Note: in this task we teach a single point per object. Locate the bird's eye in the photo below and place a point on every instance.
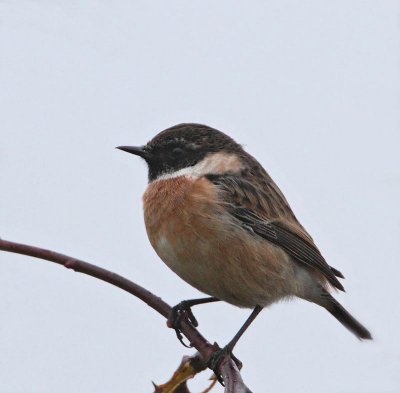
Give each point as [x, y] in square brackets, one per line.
[177, 151]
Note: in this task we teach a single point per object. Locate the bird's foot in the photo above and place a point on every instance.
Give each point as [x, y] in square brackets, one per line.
[216, 359]
[180, 312]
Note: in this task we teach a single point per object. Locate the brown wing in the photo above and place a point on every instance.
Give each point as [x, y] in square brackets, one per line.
[265, 212]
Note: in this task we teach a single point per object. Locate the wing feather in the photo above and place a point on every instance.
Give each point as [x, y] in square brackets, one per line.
[267, 214]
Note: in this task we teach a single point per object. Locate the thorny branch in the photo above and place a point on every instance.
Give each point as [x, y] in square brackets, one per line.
[227, 368]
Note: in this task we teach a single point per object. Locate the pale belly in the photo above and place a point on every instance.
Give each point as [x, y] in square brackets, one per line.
[209, 250]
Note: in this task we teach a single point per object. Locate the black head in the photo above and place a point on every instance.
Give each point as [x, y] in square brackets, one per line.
[182, 146]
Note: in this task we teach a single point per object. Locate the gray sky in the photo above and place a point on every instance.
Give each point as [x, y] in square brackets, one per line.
[311, 88]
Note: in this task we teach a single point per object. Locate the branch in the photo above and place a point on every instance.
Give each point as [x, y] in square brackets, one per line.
[227, 368]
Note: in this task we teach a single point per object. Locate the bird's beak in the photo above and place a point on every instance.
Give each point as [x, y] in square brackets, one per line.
[137, 150]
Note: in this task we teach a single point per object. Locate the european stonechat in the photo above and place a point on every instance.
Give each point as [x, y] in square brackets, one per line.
[218, 220]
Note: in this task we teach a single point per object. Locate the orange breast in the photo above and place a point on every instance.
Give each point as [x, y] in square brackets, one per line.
[183, 222]
[175, 205]
[201, 242]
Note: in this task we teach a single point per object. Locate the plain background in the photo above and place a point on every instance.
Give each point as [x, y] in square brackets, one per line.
[312, 90]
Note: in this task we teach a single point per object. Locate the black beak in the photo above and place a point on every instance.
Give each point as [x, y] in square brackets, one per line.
[137, 150]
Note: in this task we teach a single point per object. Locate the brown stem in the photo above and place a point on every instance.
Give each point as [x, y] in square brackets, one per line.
[228, 369]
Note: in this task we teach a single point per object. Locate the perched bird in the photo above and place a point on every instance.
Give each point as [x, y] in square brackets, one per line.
[218, 220]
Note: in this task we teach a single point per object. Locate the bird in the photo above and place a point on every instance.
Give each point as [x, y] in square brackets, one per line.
[217, 219]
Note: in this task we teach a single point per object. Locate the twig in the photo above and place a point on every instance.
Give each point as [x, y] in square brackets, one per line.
[227, 368]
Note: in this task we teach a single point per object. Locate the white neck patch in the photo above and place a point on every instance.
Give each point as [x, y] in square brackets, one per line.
[216, 163]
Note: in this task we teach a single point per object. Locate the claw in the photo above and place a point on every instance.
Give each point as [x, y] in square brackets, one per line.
[180, 338]
[217, 357]
[179, 312]
[219, 379]
[192, 319]
[238, 363]
[215, 360]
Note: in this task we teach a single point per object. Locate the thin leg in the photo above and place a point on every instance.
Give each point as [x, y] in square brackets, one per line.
[218, 356]
[184, 306]
[183, 310]
[239, 334]
[195, 302]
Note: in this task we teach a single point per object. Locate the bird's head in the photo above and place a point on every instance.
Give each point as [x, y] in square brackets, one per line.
[188, 149]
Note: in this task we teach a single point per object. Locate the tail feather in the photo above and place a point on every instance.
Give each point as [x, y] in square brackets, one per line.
[337, 273]
[347, 320]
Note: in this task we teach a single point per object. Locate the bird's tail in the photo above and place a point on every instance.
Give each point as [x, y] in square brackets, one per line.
[346, 319]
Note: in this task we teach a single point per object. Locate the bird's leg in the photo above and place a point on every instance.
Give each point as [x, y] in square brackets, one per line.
[217, 357]
[183, 311]
[178, 311]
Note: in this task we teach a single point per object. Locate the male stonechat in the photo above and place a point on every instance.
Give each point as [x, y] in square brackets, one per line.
[218, 220]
